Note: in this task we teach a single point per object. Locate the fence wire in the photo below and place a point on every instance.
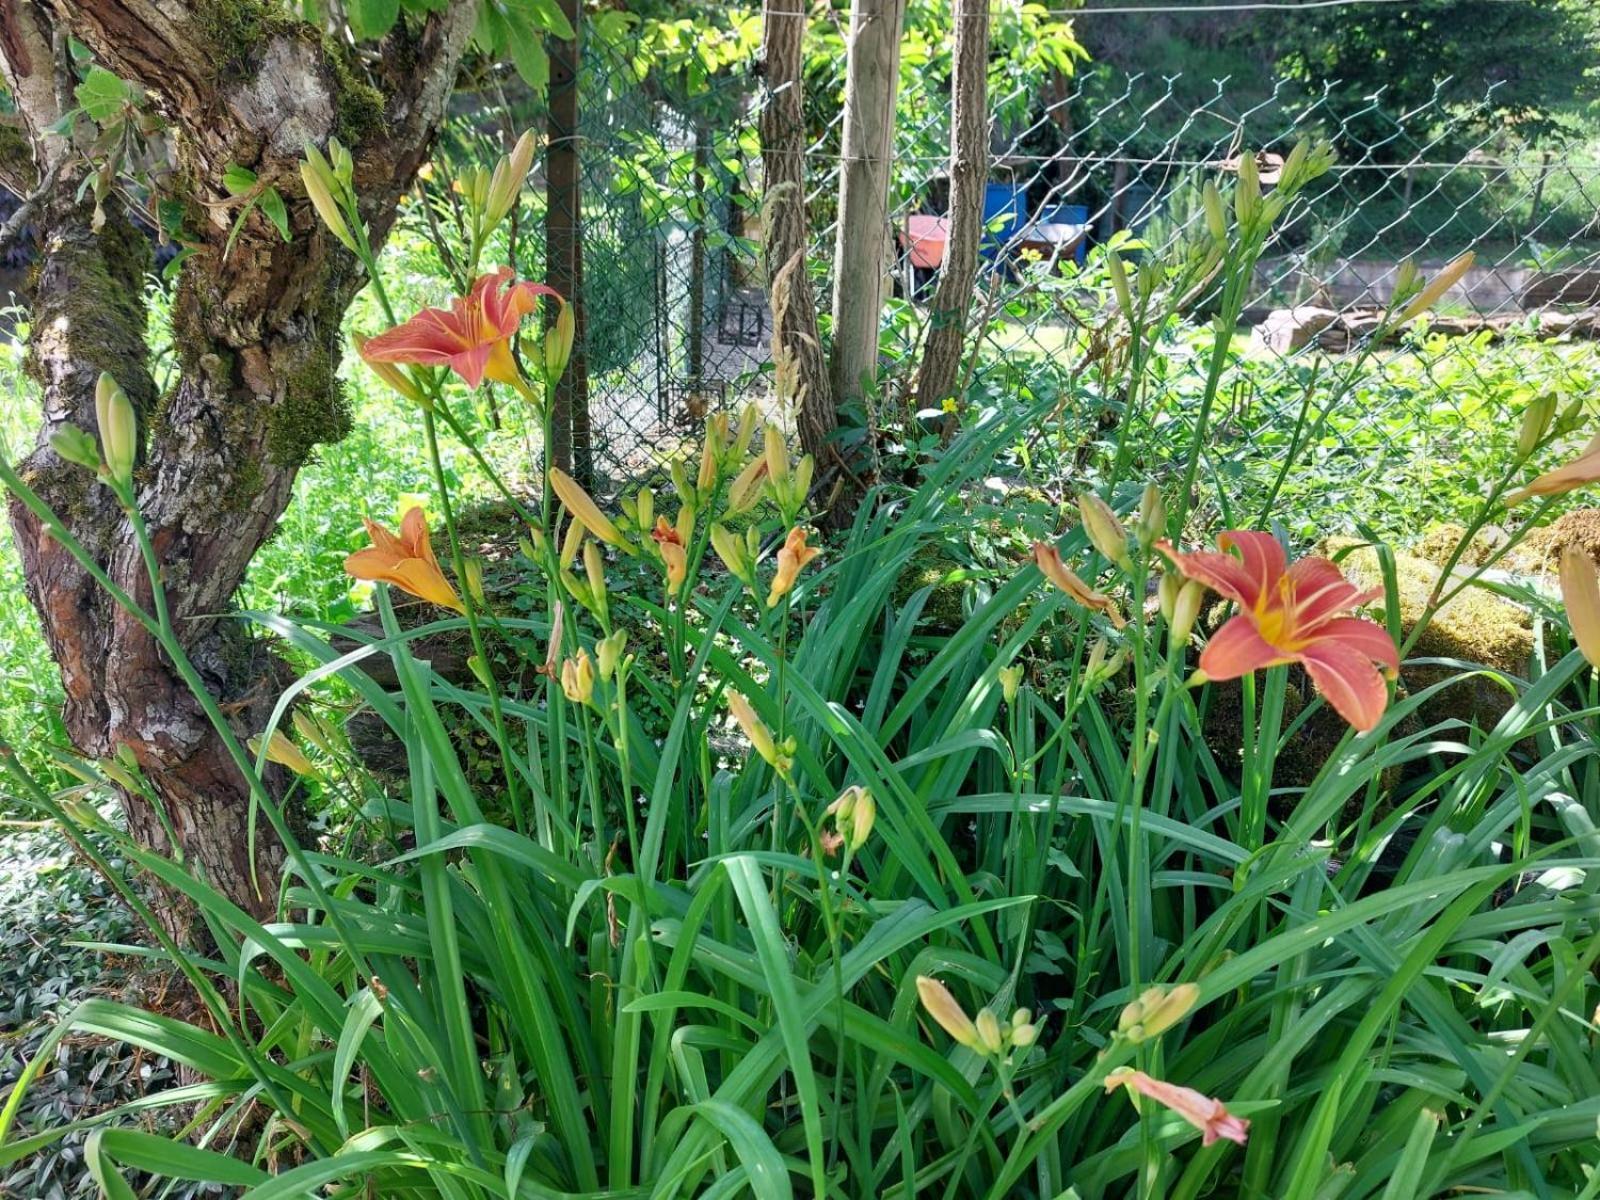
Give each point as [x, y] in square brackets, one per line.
[680, 325]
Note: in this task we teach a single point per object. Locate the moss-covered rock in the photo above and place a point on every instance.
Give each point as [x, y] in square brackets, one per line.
[1476, 627]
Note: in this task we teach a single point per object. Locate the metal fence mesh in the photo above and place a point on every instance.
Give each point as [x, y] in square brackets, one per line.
[679, 320]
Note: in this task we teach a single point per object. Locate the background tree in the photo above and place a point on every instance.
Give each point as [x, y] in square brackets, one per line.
[206, 108]
[1540, 58]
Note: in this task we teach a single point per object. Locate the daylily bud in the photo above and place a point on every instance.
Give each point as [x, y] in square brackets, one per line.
[285, 753]
[733, 555]
[344, 167]
[594, 566]
[480, 672]
[1580, 592]
[749, 422]
[1289, 173]
[119, 428]
[707, 477]
[1152, 515]
[577, 678]
[1167, 594]
[75, 446]
[1156, 1010]
[608, 653]
[506, 184]
[947, 1011]
[684, 525]
[1010, 682]
[1570, 418]
[646, 503]
[558, 341]
[319, 180]
[1186, 610]
[1024, 1035]
[777, 453]
[1247, 194]
[1448, 276]
[1216, 221]
[1536, 420]
[583, 508]
[1119, 283]
[1105, 532]
[988, 1027]
[853, 814]
[761, 740]
[472, 578]
[571, 543]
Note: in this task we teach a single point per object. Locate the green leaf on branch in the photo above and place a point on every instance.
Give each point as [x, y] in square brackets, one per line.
[372, 18]
[102, 95]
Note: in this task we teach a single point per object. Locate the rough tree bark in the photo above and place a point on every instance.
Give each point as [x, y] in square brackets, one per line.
[786, 227]
[872, 75]
[257, 339]
[969, 169]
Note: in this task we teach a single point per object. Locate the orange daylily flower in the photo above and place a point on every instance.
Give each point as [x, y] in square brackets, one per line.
[793, 555]
[1581, 470]
[1056, 571]
[670, 543]
[406, 561]
[1211, 1117]
[1293, 614]
[472, 337]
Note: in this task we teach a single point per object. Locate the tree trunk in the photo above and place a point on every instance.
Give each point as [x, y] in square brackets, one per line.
[872, 73]
[796, 343]
[257, 336]
[969, 169]
[563, 241]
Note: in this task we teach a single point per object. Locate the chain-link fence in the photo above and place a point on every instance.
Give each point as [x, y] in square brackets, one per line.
[679, 321]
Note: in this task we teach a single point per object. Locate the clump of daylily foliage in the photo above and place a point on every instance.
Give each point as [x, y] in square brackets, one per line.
[801, 890]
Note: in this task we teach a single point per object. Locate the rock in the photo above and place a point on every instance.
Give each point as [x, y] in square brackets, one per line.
[1286, 330]
[1476, 627]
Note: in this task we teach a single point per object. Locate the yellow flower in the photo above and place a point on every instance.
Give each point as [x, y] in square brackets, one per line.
[794, 555]
[406, 561]
[949, 405]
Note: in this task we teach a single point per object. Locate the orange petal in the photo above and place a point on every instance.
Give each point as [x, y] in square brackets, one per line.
[1262, 556]
[1239, 649]
[1346, 676]
[1368, 638]
[425, 581]
[372, 564]
[1320, 591]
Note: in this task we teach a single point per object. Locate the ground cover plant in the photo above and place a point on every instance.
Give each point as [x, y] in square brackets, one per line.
[966, 845]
